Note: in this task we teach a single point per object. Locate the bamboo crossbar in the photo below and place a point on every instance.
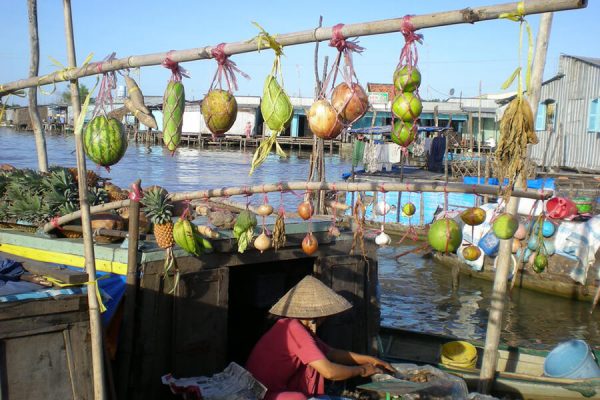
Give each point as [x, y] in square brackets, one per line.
[314, 186]
[464, 16]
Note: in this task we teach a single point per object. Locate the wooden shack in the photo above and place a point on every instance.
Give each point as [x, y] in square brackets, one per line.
[22, 120]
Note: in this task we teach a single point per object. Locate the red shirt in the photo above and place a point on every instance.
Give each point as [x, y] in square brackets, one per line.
[284, 351]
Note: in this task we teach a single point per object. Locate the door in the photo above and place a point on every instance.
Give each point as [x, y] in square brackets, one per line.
[355, 278]
[200, 323]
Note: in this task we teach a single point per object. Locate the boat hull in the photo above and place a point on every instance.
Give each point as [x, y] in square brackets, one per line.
[520, 370]
[554, 281]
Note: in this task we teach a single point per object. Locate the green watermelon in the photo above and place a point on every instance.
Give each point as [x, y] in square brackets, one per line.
[173, 107]
[104, 140]
[219, 109]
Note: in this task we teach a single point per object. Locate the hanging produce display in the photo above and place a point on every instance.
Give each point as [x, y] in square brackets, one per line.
[219, 107]
[279, 229]
[275, 106]
[349, 101]
[135, 103]
[473, 216]
[104, 138]
[445, 235]
[243, 230]
[305, 210]
[407, 105]
[383, 239]
[517, 125]
[188, 237]
[159, 210]
[505, 226]
[310, 244]
[173, 105]
[262, 241]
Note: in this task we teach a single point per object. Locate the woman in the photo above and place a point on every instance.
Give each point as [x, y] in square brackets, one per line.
[291, 361]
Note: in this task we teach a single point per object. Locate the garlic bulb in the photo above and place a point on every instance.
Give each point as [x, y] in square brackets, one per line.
[383, 239]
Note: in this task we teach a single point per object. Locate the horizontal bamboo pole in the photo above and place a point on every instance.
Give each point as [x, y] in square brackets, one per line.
[314, 186]
[464, 16]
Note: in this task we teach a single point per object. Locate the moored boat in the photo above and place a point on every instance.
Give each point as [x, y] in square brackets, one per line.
[520, 370]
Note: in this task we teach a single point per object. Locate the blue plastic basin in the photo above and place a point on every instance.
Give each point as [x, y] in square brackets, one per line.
[572, 359]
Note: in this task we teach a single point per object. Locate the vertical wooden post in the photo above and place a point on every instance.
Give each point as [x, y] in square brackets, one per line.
[421, 210]
[480, 138]
[88, 245]
[34, 66]
[494, 328]
[131, 281]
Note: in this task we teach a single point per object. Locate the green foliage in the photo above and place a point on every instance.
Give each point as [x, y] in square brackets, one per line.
[65, 97]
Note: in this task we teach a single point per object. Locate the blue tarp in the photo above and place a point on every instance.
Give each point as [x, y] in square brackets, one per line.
[540, 183]
[112, 287]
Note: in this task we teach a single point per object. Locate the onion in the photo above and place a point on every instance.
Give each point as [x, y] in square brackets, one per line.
[305, 210]
[264, 210]
[323, 120]
[351, 104]
[262, 242]
[309, 244]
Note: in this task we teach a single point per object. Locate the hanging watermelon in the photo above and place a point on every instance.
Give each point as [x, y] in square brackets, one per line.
[104, 140]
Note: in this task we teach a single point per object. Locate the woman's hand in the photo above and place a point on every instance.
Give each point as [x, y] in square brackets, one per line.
[384, 366]
[369, 369]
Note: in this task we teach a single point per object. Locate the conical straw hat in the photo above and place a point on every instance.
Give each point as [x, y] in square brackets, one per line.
[310, 298]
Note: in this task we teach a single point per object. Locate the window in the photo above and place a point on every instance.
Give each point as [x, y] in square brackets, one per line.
[546, 115]
[594, 116]
[540, 119]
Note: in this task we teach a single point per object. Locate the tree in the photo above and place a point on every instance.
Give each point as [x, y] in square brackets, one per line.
[65, 96]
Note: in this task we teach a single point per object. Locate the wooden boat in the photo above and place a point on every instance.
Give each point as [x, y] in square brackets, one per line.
[520, 370]
[555, 280]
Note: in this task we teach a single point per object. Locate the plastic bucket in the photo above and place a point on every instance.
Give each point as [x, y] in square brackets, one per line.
[584, 204]
[572, 359]
[560, 207]
[489, 243]
[459, 354]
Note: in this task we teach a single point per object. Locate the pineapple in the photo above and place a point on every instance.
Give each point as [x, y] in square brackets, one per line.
[92, 177]
[61, 193]
[158, 209]
[115, 193]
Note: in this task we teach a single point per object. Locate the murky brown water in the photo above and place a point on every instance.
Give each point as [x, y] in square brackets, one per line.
[416, 293]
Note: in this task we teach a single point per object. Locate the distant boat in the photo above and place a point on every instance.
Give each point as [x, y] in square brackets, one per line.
[520, 370]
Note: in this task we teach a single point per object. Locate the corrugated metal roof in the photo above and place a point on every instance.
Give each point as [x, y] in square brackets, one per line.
[589, 60]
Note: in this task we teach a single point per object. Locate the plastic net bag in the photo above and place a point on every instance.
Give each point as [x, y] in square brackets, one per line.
[433, 384]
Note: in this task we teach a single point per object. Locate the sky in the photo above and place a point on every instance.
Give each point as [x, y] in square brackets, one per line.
[455, 57]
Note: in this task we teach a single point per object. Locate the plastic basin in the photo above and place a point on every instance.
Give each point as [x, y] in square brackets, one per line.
[572, 359]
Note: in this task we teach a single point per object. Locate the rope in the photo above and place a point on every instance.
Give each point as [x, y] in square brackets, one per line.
[177, 72]
[226, 68]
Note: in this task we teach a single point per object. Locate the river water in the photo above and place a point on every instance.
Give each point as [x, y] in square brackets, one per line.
[416, 293]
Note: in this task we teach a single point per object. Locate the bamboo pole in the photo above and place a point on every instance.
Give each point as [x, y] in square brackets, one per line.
[463, 16]
[88, 245]
[34, 67]
[433, 186]
[131, 281]
[494, 328]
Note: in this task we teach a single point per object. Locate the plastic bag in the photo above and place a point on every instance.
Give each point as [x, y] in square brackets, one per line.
[438, 385]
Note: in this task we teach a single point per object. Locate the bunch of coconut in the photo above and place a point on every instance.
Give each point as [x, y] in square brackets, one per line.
[349, 102]
[407, 105]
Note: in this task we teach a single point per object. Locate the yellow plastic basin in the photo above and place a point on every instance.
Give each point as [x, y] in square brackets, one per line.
[459, 354]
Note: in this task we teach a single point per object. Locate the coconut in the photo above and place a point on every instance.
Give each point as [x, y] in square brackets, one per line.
[473, 216]
[350, 103]
[407, 79]
[323, 120]
[505, 226]
[275, 106]
[409, 209]
[540, 262]
[219, 110]
[407, 107]
[445, 235]
[471, 252]
[404, 133]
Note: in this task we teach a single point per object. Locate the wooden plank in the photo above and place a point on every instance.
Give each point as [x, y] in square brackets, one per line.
[41, 268]
[40, 307]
